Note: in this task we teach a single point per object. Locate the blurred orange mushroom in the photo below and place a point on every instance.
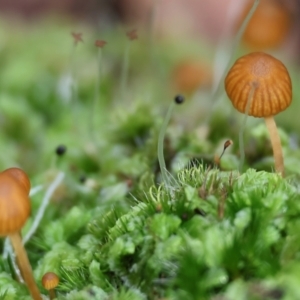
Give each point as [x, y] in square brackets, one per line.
[189, 75]
[268, 26]
[14, 211]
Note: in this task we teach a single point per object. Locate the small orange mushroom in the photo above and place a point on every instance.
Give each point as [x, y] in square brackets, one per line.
[14, 211]
[50, 281]
[259, 85]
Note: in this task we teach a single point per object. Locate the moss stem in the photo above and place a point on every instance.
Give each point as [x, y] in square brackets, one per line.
[74, 95]
[276, 145]
[45, 202]
[218, 88]
[124, 71]
[243, 126]
[96, 101]
[160, 146]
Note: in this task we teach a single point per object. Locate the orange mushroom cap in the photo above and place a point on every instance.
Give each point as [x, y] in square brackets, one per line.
[20, 176]
[273, 87]
[50, 281]
[268, 26]
[189, 75]
[14, 200]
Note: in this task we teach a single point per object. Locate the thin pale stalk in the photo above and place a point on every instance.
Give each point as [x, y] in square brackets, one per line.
[45, 202]
[73, 79]
[243, 126]
[151, 29]
[216, 92]
[276, 145]
[8, 251]
[96, 100]
[24, 265]
[160, 146]
[125, 67]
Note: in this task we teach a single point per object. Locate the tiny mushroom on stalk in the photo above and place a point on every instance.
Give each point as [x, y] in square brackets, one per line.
[14, 211]
[50, 281]
[259, 85]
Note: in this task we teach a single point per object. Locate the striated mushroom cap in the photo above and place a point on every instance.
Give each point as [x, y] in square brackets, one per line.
[14, 200]
[20, 176]
[50, 281]
[273, 87]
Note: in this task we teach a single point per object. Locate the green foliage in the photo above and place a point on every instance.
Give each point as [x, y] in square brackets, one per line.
[168, 244]
[10, 289]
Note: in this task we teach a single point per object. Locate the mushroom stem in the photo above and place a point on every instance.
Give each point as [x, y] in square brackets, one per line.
[52, 294]
[24, 265]
[276, 145]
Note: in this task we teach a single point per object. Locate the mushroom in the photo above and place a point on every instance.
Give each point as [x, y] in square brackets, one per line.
[259, 85]
[21, 177]
[189, 75]
[50, 281]
[14, 211]
[268, 26]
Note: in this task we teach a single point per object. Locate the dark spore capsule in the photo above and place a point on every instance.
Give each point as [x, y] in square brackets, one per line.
[60, 150]
[179, 99]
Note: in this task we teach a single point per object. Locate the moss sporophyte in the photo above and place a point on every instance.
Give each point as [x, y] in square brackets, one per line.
[178, 99]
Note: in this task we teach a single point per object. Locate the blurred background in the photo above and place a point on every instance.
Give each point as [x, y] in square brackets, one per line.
[198, 18]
